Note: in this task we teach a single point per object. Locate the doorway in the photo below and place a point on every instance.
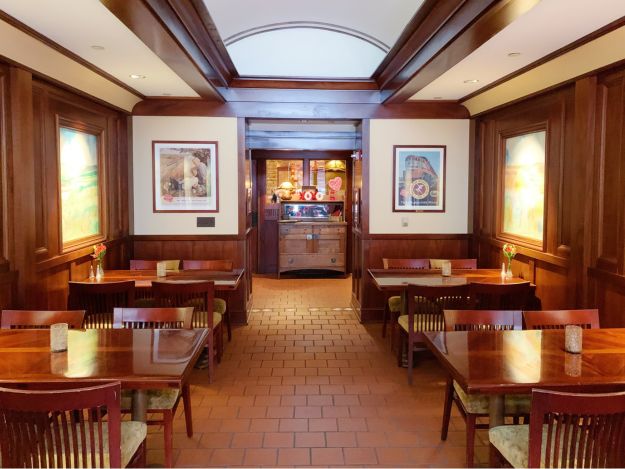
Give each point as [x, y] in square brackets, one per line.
[284, 175]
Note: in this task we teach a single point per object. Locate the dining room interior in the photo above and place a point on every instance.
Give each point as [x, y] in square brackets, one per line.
[285, 233]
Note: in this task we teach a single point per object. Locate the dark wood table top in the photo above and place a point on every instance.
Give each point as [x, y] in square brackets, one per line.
[397, 279]
[508, 362]
[144, 278]
[139, 358]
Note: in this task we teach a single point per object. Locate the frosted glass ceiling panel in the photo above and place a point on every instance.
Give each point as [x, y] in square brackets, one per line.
[305, 52]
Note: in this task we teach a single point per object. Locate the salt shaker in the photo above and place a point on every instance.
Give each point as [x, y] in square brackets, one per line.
[573, 339]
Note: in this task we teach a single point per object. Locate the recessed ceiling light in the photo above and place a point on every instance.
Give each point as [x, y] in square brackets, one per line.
[166, 94]
[95, 47]
[514, 54]
[472, 81]
[134, 76]
[437, 97]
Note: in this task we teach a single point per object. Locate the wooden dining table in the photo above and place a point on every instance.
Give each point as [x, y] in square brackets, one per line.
[140, 359]
[396, 280]
[497, 363]
[224, 280]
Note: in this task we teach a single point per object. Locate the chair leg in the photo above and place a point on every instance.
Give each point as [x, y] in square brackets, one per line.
[228, 325]
[385, 318]
[169, 437]
[470, 422]
[220, 341]
[409, 351]
[186, 401]
[211, 356]
[449, 399]
[400, 348]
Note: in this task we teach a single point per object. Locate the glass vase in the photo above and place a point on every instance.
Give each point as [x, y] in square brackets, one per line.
[99, 271]
[509, 271]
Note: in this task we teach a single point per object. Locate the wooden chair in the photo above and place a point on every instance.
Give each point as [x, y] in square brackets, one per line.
[22, 319]
[425, 313]
[217, 265]
[160, 401]
[558, 319]
[200, 295]
[474, 406]
[508, 296]
[220, 265]
[566, 430]
[455, 263]
[99, 299]
[66, 428]
[392, 305]
[406, 263]
[140, 264]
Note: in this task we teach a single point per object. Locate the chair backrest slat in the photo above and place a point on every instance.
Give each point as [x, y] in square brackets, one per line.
[559, 319]
[99, 299]
[582, 430]
[406, 263]
[426, 305]
[507, 296]
[60, 428]
[473, 320]
[218, 265]
[153, 318]
[198, 294]
[455, 263]
[29, 319]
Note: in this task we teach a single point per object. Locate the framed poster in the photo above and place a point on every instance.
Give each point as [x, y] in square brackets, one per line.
[419, 178]
[523, 187]
[80, 185]
[185, 176]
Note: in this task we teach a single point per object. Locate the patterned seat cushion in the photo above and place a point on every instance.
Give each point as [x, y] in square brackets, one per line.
[219, 305]
[478, 403]
[512, 441]
[158, 399]
[394, 304]
[132, 435]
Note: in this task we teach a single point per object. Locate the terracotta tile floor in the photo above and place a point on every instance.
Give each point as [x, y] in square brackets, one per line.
[304, 383]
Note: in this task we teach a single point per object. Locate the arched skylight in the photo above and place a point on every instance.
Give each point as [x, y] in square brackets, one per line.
[305, 52]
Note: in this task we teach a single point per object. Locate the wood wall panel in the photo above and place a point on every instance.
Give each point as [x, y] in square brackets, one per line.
[583, 261]
[31, 198]
[548, 266]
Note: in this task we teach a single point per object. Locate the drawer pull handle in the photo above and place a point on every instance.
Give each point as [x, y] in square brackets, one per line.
[333, 260]
[290, 260]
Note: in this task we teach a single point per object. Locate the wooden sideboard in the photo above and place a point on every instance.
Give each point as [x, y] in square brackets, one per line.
[311, 245]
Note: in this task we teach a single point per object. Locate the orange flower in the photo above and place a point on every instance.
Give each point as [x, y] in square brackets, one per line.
[509, 250]
[99, 250]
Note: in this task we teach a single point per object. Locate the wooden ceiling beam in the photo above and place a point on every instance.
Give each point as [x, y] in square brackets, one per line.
[468, 25]
[159, 27]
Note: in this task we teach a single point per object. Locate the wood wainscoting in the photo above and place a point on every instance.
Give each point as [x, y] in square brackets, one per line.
[183, 247]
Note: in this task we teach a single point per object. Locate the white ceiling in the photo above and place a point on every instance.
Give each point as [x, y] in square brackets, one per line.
[549, 26]
[318, 50]
[79, 24]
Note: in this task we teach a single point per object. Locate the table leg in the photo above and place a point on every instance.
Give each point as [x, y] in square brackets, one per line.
[139, 405]
[495, 418]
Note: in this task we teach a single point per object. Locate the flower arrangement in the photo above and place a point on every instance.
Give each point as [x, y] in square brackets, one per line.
[99, 251]
[509, 250]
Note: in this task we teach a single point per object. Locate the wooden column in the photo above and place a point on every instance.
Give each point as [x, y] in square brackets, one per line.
[21, 183]
[583, 156]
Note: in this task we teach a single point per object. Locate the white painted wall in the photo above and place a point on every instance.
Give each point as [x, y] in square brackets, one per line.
[454, 133]
[220, 129]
